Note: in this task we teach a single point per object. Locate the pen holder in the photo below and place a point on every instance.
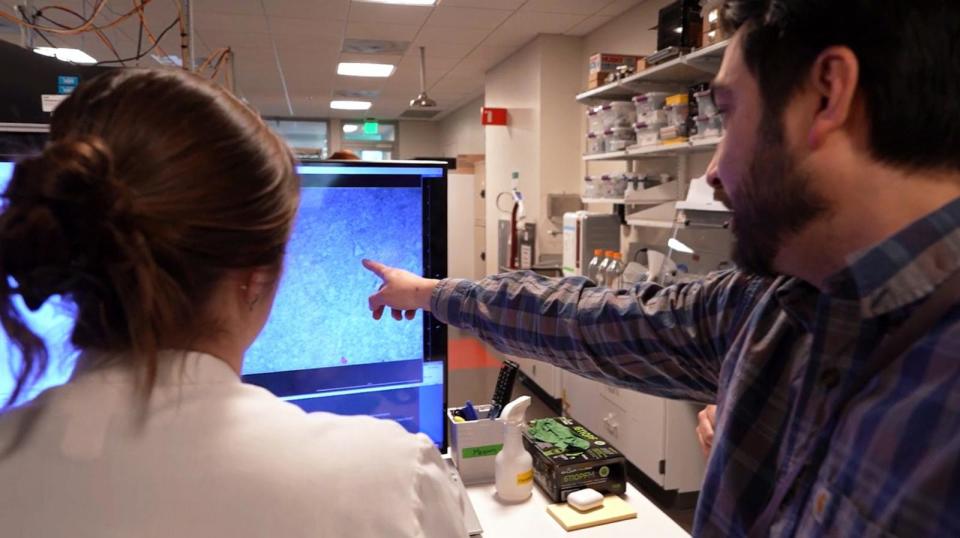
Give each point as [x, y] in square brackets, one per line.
[475, 444]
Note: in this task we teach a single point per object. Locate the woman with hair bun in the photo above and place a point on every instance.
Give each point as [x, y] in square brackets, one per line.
[161, 209]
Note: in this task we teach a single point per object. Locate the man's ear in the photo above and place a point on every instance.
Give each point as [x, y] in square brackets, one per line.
[834, 77]
[256, 283]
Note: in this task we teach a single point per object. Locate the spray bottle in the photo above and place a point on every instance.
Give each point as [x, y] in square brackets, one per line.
[513, 470]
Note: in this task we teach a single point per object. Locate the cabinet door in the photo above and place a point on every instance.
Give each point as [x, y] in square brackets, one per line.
[636, 431]
[685, 462]
[546, 376]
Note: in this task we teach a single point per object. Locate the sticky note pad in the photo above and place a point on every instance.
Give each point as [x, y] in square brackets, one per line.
[614, 509]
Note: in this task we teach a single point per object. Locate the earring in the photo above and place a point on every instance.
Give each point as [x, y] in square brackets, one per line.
[244, 287]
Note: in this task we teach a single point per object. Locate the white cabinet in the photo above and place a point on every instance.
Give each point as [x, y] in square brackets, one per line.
[546, 376]
[655, 434]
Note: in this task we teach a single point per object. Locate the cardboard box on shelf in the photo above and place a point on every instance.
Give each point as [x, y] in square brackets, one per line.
[603, 62]
[597, 79]
[641, 64]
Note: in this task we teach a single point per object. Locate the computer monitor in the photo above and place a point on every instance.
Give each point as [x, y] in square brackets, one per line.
[320, 349]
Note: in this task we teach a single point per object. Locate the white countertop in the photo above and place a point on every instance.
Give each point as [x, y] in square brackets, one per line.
[530, 519]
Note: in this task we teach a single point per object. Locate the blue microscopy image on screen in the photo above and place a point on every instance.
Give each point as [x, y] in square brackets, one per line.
[53, 322]
[320, 318]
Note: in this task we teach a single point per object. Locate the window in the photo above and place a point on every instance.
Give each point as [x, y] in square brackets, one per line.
[372, 141]
[308, 138]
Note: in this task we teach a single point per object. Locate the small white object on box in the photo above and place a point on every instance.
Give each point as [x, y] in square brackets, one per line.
[475, 444]
[585, 499]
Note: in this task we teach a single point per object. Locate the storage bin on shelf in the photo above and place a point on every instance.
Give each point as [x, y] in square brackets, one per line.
[678, 111]
[594, 123]
[647, 135]
[708, 126]
[705, 105]
[591, 189]
[618, 138]
[646, 103]
[618, 114]
[595, 143]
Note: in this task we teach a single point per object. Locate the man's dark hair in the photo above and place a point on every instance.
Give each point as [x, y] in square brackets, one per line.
[909, 56]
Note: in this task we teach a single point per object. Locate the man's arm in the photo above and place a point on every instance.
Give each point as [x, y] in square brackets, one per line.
[667, 341]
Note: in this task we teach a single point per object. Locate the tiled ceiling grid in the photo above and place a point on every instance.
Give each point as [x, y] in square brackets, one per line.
[286, 51]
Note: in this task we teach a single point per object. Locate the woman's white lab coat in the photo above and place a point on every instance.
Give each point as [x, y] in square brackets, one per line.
[213, 458]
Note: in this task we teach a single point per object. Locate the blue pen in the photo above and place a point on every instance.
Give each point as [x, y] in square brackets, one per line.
[469, 412]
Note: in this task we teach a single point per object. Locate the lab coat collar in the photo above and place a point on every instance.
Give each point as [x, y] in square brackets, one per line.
[174, 367]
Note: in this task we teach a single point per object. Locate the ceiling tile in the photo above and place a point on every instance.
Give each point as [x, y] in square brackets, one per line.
[389, 14]
[289, 26]
[390, 32]
[432, 34]
[485, 4]
[616, 7]
[312, 9]
[234, 22]
[577, 7]
[589, 25]
[466, 17]
[247, 7]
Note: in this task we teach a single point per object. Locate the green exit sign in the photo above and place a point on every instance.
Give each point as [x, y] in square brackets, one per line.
[371, 127]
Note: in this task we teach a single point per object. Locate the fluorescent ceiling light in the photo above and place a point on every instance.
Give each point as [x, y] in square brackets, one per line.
[356, 69]
[676, 245]
[350, 128]
[351, 105]
[400, 2]
[76, 56]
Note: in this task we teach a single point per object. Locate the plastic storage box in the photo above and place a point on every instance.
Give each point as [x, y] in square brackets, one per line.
[647, 135]
[649, 102]
[594, 123]
[590, 187]
[709, 126]
[618, 138]
[705, 105]
[618, 114]
[654, 117]
[474, 445]
[594, 143]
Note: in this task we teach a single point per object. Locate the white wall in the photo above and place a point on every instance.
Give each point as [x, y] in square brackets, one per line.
[536, 85]
[461, 132]
[513, 84]
[418, 139]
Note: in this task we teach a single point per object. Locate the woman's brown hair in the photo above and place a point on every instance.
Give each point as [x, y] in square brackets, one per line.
[153, 185]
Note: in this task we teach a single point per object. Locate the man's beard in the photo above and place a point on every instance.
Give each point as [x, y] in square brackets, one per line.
[773, 202]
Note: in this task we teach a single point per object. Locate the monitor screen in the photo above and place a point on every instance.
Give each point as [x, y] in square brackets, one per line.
[320, 349]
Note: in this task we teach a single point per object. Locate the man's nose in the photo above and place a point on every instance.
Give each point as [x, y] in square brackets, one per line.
[713, 171]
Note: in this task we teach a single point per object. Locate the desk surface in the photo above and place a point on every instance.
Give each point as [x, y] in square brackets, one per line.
[531, 520]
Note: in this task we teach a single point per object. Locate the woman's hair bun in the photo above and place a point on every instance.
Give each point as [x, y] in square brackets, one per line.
[64, 214]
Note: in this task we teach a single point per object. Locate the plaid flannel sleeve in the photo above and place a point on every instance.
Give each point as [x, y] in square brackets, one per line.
[667, 341]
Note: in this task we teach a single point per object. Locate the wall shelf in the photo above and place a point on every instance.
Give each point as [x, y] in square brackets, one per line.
[658, 151]
[677, 74]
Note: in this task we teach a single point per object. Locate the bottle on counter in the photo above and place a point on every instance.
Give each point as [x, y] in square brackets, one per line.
[594, 265]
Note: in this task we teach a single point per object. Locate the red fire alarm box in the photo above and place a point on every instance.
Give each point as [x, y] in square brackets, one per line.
[493, 116]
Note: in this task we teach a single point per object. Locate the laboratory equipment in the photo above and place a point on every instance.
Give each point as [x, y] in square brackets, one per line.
[583, 232]
[513, 467]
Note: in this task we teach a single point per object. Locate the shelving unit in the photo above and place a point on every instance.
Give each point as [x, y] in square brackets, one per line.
[677, 74]
[658, 151]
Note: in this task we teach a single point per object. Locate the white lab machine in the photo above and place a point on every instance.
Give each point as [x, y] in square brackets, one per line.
[583, 232]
